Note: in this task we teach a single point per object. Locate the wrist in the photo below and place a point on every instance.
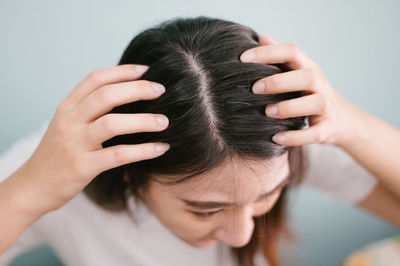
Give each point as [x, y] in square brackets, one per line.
[22, 196]
[18, 211]
[353, 130]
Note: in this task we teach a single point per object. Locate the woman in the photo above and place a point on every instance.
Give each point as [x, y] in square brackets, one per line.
[199, 153]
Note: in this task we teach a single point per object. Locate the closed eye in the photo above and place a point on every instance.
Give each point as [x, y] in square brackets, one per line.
[206, 214]
[261, 199]
[209, 214]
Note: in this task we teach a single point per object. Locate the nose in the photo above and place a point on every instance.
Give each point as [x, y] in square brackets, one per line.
[237, 228]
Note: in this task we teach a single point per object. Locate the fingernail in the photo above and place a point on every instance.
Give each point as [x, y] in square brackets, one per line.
[158, 88]
[161, 147]
[248, 56]
[272, 110]
[141, 68]
[259, 87]
[162, 121]
[279, 139]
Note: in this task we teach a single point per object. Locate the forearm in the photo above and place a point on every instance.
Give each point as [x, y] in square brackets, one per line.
[374, 144]
[16, 214]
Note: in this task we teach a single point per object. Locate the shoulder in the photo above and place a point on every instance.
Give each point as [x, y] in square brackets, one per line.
[333, 171]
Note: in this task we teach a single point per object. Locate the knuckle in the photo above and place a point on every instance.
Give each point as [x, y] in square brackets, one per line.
[271, 82]
[144, 85]
[105, 95]
[61, 107]
[62, 126]
[95, 76]
[77, 166]
[107, 124]
[65, 105]
[119, 155]
[295, 50]
[145, 151]
[146, 121]
[318, 136]
[326, 105]
[146, 88]
[127, 70]
[292, 46]
[313, 78]
[287, 108]
[139, 123]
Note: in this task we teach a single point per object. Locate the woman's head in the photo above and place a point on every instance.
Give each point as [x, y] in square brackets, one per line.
[221, 140]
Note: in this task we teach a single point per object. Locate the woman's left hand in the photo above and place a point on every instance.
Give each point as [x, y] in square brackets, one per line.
[327, 111]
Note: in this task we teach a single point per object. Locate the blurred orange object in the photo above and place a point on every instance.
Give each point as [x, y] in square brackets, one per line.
[384, 252]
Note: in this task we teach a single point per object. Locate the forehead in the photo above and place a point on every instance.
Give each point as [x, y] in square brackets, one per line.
[236, 180]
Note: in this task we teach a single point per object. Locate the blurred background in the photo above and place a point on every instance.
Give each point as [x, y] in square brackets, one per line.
[47, 47]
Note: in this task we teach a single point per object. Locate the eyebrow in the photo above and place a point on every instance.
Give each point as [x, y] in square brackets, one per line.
[205, 205]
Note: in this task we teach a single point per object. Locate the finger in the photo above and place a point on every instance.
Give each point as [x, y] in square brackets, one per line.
[310, 135]
[284, 53]
[106, 98]
[101, 77]
[304, 79]
[117, 155]
[266, 40]
[112, 125]
[308, 105]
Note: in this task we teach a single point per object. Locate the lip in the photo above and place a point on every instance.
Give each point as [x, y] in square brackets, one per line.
[206, 239]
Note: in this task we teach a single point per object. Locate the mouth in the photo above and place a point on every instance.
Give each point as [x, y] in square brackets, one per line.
[206, 239]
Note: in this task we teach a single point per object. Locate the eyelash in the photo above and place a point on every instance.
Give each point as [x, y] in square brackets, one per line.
[206, 214]
[209, 214]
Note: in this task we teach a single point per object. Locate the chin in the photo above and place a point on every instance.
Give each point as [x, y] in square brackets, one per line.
[197, 243]
[201, 244]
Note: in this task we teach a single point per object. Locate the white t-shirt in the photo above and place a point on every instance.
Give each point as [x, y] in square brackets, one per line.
[84, 234]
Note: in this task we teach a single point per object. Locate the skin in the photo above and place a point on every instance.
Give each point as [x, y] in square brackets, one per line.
[334, 121]
[56, 172]
[235, 181]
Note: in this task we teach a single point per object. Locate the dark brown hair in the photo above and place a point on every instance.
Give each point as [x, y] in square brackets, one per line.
[213, 115]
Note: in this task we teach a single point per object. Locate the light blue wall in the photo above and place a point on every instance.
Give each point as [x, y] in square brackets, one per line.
[47, 47]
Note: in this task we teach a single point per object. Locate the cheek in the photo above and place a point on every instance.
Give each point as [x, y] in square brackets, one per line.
[192, 227]
[172, 214]
[179, 221]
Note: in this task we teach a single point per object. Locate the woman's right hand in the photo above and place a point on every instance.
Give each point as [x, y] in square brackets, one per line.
[70, 153]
